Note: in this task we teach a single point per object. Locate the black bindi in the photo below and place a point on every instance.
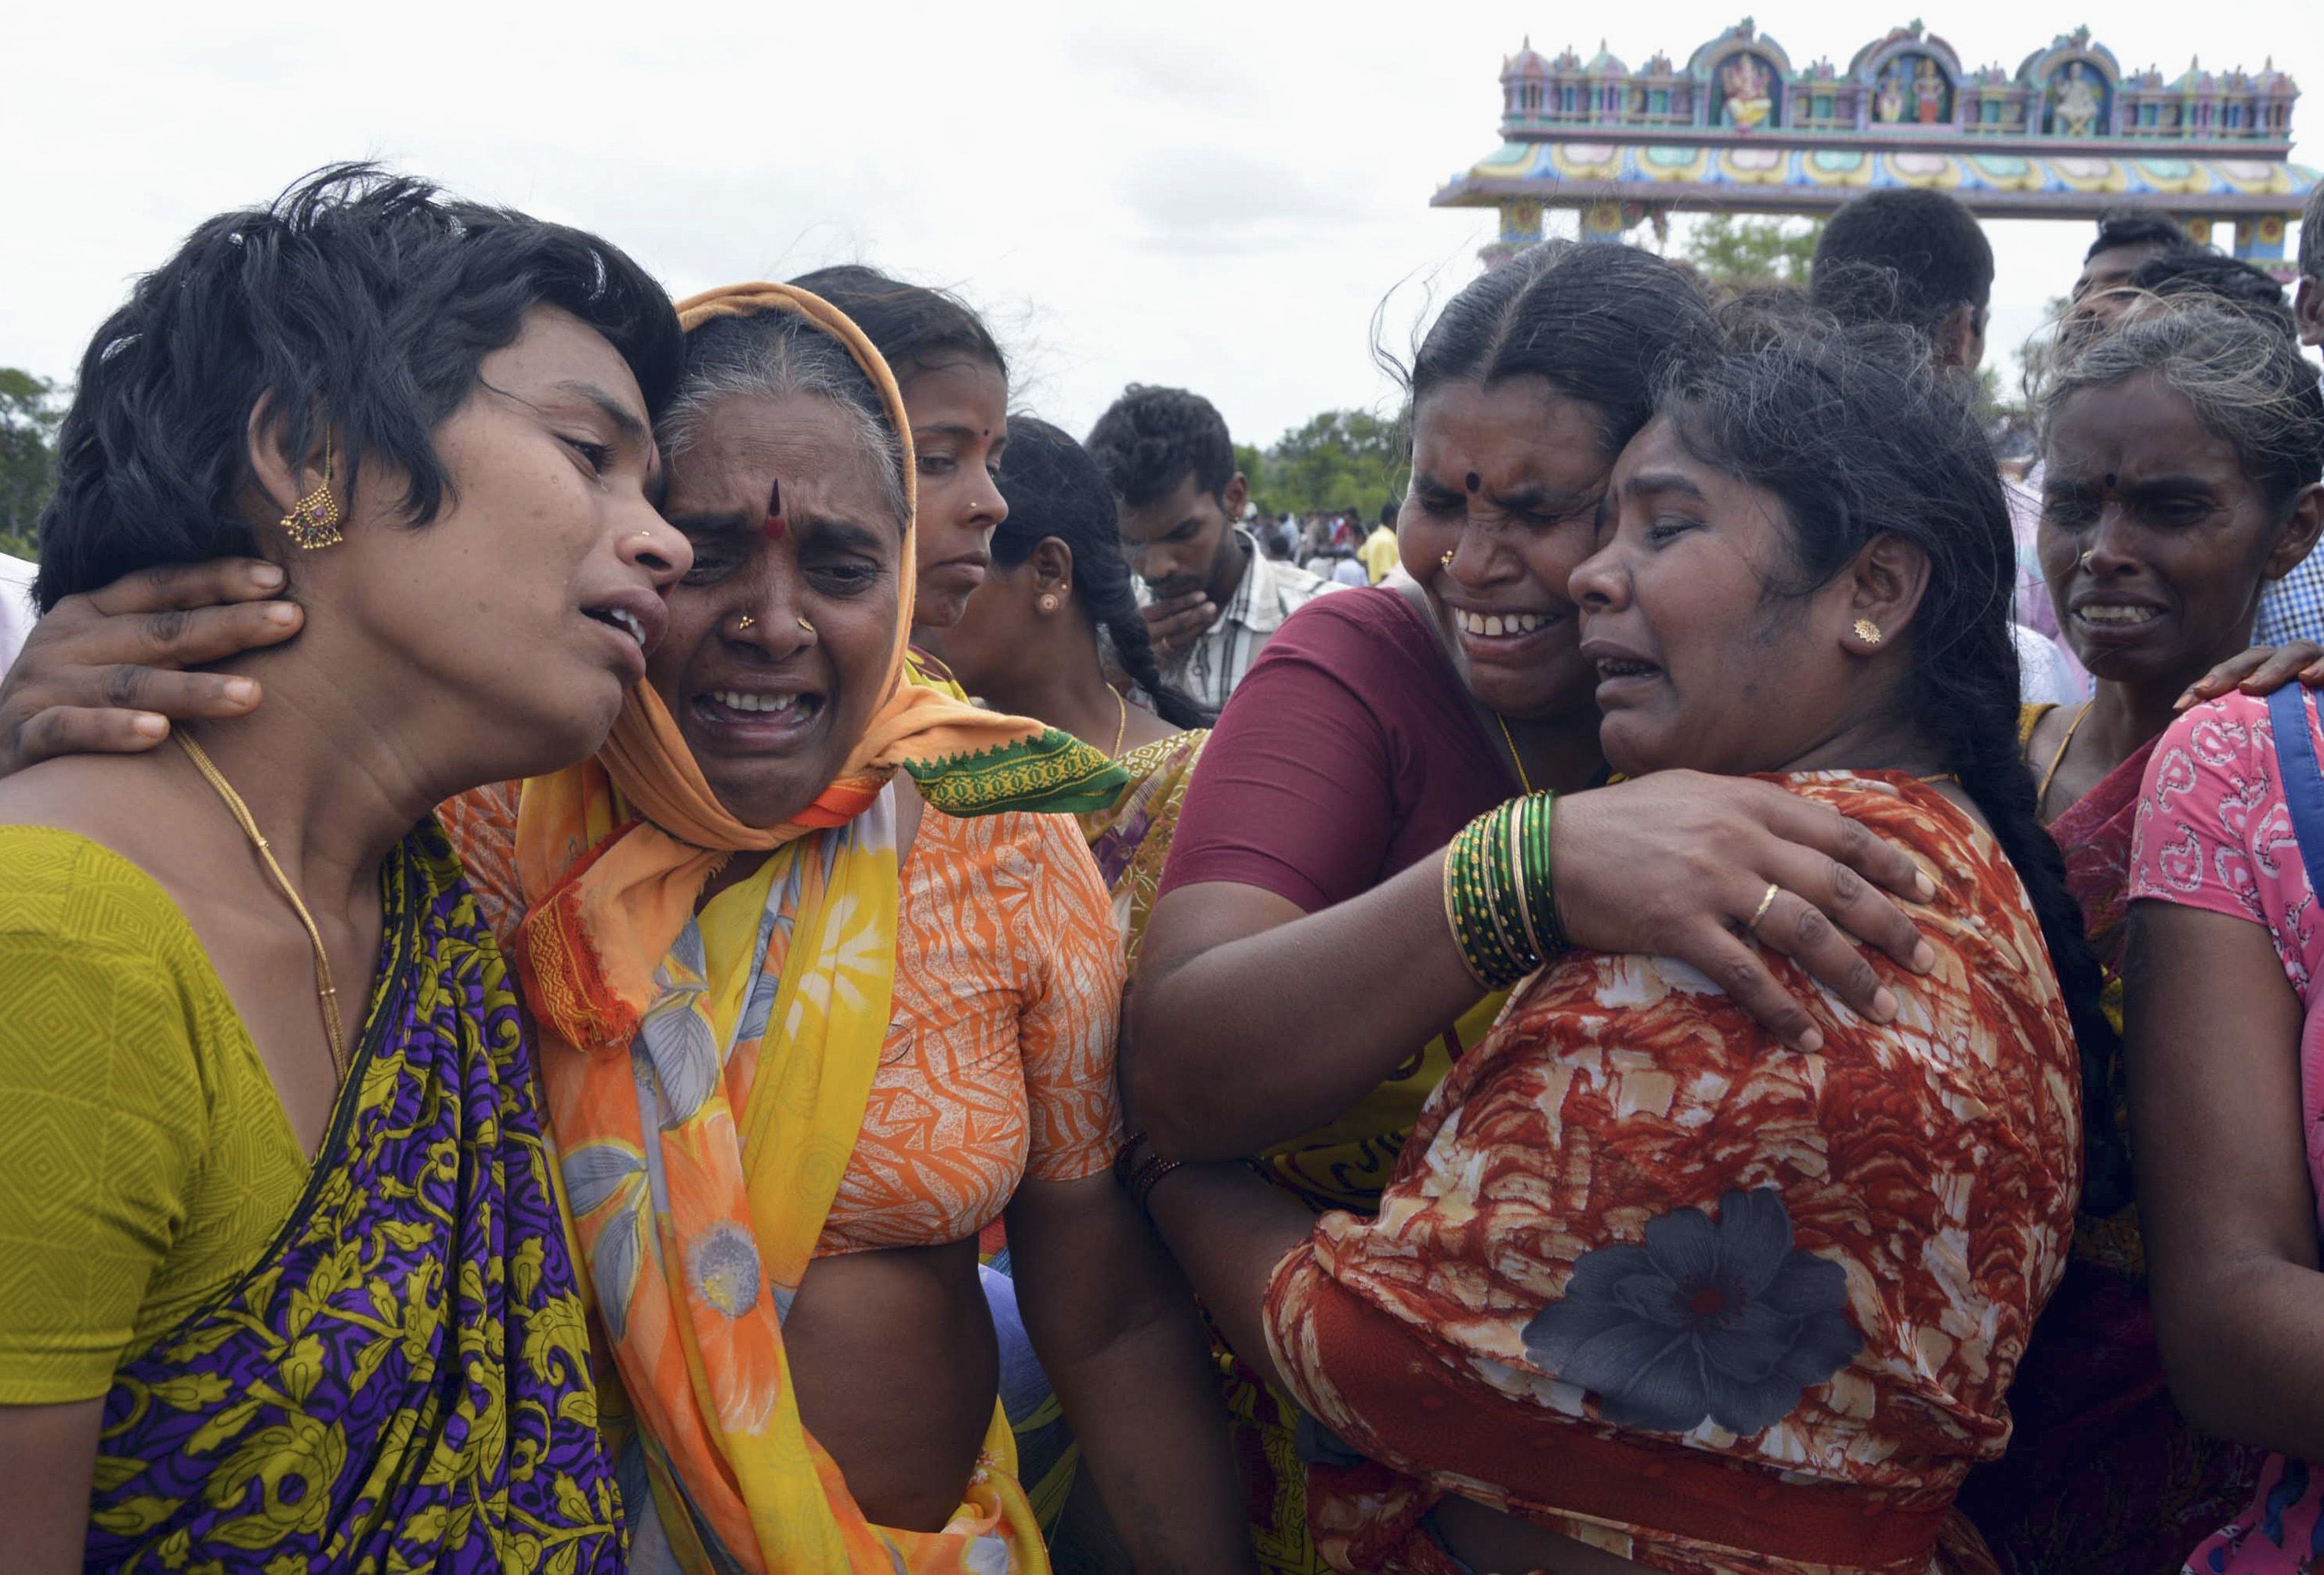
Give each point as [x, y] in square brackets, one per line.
[1474, 481]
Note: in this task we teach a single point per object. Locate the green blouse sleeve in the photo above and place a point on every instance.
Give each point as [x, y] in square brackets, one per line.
[103, 1100]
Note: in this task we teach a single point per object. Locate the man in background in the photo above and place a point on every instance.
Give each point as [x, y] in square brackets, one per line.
[2126, 238]
[1379, 550]
[1912, 257]
[1920, 260]
[1211, 598]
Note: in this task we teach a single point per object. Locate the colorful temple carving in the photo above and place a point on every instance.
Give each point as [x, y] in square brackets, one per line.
[1739, 128]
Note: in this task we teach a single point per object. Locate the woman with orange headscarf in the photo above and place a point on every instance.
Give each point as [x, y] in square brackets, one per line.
[818, 1000]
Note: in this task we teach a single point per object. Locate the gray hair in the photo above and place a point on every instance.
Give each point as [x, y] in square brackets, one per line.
[772, 356]
[2248, 383]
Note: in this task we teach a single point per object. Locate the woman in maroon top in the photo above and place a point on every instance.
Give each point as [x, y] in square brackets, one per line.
[1299, 994]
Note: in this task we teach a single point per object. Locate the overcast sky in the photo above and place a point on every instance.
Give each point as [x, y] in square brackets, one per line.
[1217, 195]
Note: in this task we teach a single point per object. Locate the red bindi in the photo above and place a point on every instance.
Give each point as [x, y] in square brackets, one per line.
[775, 526]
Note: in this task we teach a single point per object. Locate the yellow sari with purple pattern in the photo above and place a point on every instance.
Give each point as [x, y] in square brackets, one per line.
[402, 1380]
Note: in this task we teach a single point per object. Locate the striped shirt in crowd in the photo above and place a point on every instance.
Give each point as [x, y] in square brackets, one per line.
[1209, 669]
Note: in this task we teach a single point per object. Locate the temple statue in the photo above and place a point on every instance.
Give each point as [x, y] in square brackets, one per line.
[1928, 93]
[1889, 105]
[2078, 103]
[1747, 102]
[1740, 127]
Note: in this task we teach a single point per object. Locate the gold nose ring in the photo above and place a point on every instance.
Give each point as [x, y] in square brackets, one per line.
[805, 627]
[2085, 562]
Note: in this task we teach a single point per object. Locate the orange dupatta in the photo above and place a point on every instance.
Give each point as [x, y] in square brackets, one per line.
[697, 1222]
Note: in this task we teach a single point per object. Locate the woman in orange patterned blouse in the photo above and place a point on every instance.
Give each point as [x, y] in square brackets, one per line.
[1029, 643]
[1651, 1289]
[873, 1354]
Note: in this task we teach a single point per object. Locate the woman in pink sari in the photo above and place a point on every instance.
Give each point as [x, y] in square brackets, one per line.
[2161, 527]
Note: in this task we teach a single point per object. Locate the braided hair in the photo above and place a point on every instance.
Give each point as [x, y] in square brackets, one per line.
[1054, 488]
[1857, 435]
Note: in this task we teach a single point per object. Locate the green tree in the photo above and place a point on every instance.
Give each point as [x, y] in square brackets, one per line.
[1340, 459]
[29, 414]
[1738, 254]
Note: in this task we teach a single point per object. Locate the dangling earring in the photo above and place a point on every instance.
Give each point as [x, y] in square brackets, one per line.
[1045, 602]
[313, 521]
[1868, 632]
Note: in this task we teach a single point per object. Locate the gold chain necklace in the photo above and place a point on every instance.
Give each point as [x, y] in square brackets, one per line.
[2042, 794]
[1514, 759]
[1121, 732]
[325, 990]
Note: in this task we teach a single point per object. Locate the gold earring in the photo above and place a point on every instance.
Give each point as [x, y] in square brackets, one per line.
[747, 621]
[313, 521]
[1048, 603]
[1868, 632]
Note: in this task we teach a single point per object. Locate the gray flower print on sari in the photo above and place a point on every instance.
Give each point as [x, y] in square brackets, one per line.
[1721, 1320]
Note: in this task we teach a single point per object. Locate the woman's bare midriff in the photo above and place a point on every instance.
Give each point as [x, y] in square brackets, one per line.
[893, 1356]
[1491, 1543]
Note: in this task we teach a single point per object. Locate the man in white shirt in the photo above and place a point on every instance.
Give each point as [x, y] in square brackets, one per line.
[16, 613]
[1211, 598]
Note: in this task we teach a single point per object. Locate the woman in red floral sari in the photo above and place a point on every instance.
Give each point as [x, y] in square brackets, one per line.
[1651, 1288]
[2157, 542]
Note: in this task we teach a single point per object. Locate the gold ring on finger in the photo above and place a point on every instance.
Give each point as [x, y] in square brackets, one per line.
[1766, 903]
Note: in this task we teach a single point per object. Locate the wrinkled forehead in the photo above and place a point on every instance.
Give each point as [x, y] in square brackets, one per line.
[822, 454]
[2133, 428]
[1513, 431]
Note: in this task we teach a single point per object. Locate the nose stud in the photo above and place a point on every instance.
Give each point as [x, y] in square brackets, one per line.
[805, 627]
[1446, 561]
[747, 621]
[2084, 562]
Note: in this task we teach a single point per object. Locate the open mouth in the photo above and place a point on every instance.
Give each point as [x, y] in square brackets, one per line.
[2116, 614]
[1611, 669]
[623, 619]
[1500, 625]
[743, 708]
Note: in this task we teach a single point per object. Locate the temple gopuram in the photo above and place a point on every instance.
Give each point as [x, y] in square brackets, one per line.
[1738, 128]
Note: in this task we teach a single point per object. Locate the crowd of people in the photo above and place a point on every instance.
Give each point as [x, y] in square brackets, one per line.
[663, 936]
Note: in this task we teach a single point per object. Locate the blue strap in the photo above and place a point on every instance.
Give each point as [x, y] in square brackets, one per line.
[2296, 769]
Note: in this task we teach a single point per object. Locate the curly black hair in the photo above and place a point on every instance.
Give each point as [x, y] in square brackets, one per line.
[1152, 439]
[358, 302]
[1904, 256]
[2138, 227]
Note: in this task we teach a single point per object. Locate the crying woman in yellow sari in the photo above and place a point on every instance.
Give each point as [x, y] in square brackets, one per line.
[818, 1001]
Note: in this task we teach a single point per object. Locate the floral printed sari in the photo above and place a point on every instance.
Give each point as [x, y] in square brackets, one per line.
[1650, 1280]
[403, 1381]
